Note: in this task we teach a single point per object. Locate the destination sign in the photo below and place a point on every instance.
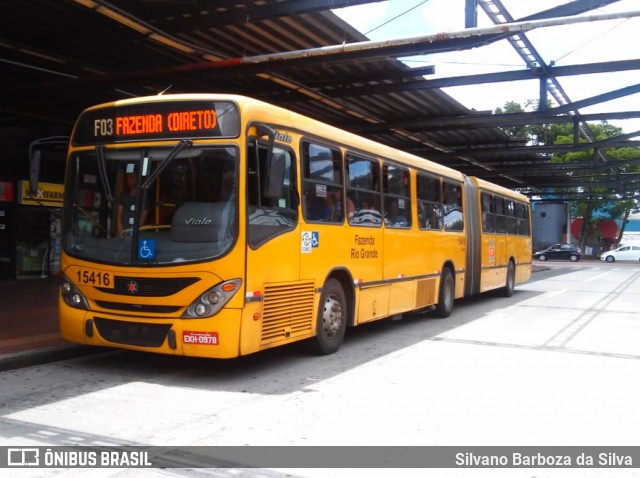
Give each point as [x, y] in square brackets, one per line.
[157, 120]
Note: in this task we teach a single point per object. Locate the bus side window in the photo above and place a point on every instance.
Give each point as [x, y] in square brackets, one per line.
[522, 211]
[269, 217]
[487, 214]
[429, 205]
[500, 217]
[453, 218]
[324, 198]
[396, 184]
[363, 187]
[512, 220]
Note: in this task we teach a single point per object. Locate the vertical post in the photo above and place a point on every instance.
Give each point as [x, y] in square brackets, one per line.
[471, 13]
[568, 222]
[542, 105]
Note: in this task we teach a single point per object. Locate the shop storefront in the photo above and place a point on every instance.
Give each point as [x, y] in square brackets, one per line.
[36, 230]
[7, 205]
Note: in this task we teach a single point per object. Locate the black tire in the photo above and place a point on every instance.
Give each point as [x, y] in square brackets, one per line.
[446, 294]
[332, 318]
[510, 285]
[610, 259]
[542, 257]
[574, 258]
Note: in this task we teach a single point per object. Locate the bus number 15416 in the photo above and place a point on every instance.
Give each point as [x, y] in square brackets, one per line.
[95, 278]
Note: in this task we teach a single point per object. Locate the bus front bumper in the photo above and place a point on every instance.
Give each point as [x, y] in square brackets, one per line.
[214, 337]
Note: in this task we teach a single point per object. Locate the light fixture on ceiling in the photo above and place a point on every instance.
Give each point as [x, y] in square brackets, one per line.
[124, 20]
[172, 43]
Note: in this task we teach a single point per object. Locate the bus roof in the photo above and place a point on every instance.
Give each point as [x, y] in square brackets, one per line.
[257, 110]
[486, 185]
[317, 128]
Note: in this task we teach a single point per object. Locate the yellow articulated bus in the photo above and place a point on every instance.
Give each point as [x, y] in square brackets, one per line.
[218, 226]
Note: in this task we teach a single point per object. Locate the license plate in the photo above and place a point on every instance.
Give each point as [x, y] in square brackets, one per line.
[95, 278]
[199, 338]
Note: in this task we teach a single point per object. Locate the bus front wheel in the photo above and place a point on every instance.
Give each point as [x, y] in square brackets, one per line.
[332, 318]
[446, 295]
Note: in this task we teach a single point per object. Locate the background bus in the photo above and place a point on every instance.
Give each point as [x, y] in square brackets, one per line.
[218, 226]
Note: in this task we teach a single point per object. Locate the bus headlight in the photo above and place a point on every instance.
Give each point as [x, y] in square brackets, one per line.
[72, 296]
[214, 299]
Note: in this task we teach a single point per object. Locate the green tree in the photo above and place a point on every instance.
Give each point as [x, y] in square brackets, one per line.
[597, 196]
[519, 131]
[599, 192]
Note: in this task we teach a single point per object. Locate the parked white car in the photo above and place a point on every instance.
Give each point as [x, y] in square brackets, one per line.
[623, 253]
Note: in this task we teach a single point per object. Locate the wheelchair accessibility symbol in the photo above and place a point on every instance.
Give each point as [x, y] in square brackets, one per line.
[146, 249]
[309, 241]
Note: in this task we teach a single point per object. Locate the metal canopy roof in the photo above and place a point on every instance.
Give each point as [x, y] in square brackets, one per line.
[59, 56]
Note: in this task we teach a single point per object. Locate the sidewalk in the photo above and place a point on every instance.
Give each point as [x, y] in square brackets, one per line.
[29, 324]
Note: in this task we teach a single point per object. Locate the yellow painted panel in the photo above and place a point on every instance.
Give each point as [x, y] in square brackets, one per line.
[373, 303]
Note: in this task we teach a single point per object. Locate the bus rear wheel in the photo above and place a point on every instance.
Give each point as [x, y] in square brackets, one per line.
[510, 285]
[446, 295]
[332, 318]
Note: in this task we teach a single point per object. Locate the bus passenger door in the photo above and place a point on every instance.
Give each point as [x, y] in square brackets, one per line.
[273, 290]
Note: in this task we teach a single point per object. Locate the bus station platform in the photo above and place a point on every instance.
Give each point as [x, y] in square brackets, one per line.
[29, 332]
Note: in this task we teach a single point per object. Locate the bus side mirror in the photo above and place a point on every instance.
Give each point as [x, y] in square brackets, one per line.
[35, 154]
[275, 165]
[34, 172]
[275, 176]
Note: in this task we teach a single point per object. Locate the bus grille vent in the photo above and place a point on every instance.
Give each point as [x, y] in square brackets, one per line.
[142, 308]
[426, 293]
[132, 333]
[149, 286]
[288, 311]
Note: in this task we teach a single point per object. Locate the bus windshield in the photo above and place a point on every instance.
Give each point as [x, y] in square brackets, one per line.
[151, 206]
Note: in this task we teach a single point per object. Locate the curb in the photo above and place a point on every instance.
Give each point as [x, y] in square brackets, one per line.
[29, 358]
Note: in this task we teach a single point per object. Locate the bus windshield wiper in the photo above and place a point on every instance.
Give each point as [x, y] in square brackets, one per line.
[102, 170]
[182, 145]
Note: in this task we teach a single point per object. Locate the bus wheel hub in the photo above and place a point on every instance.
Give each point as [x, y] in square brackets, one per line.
[332, 316]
